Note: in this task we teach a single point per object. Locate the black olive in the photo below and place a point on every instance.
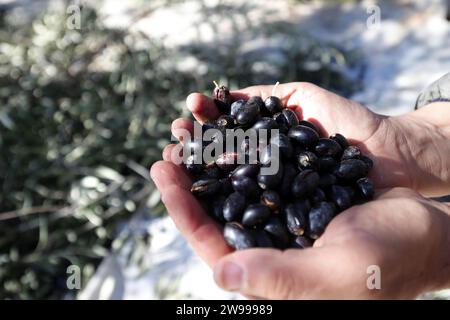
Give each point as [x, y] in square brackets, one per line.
[296, 219]
[227, 161]
[262, 239]
[255, 215]
[238, 237]
[216, 208]
[366, 188]
[305, 183]
[225, 122]
[352, 169]
[236, 107]
[234, 206]
[207, 187]
[319, 217]
[271, 199]
[247, 186]
[307, 160]
[247, 170]
[327, 164]
[248, 115]
[327, 148]
[341, 197]
[193, 165]
[289, 174]
[318, 196]
[304, 136]
[269, 153]
[225, 186]
[327, 180]
[309, 125]
[280, 119]
[273, 104]
[208, 125]
[284, 145]
[291, 117]
[302, 242]
[339, 138]
[278, 231]
[270, 181]
[367, 161]
[265, 123]
[351, 152]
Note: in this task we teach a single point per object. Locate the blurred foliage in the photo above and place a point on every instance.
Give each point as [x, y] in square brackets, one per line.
[84, 113]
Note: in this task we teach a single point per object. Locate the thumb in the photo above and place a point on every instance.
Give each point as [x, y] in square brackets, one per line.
[274, 274]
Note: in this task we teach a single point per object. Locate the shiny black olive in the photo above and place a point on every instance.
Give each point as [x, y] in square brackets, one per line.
[307, 160]
[207, 187]
[309, 125]
[234, 206]
[339, 138]
[327, 148]
[352, 169]
[351, 152]
[270, 181]
[255, 214]
[305, 183]
[265, 123]
[296, 219]
[273, 104]
[284, 145]
[238, 237]
[236, 107]
[291, 117]
[365, 188]
[247, 186]
[248, 115]
[280, 119]
[225, 186]
[304, 136]
[269, 153]
[319, 217]
[271, 199]
[278, 231]
[247, 170]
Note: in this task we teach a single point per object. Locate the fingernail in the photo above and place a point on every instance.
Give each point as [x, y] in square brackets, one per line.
[231, 276]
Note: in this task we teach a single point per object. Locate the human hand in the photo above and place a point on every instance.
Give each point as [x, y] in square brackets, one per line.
[205, 236]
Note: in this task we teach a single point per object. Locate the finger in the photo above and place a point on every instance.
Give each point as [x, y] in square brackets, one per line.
[293, 274]
[167, 152]
[202, 107]
[203, 234]
[283, 91]
[182, 129]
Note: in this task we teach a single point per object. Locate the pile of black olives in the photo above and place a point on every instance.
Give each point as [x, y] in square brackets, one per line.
[317, 177]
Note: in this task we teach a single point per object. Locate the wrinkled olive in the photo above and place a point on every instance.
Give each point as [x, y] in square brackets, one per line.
[351, 152]
[366, 188]
[271, 199]
[307, 160]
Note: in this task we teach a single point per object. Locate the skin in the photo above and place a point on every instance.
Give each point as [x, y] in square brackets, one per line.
[404, 234]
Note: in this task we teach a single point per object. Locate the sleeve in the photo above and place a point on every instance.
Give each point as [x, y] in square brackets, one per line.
[437, 91]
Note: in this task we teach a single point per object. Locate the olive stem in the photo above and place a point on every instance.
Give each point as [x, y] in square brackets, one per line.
[275, 88]
[215, 83]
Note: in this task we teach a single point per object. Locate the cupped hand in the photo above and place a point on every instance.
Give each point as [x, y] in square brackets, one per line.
[392, 232]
